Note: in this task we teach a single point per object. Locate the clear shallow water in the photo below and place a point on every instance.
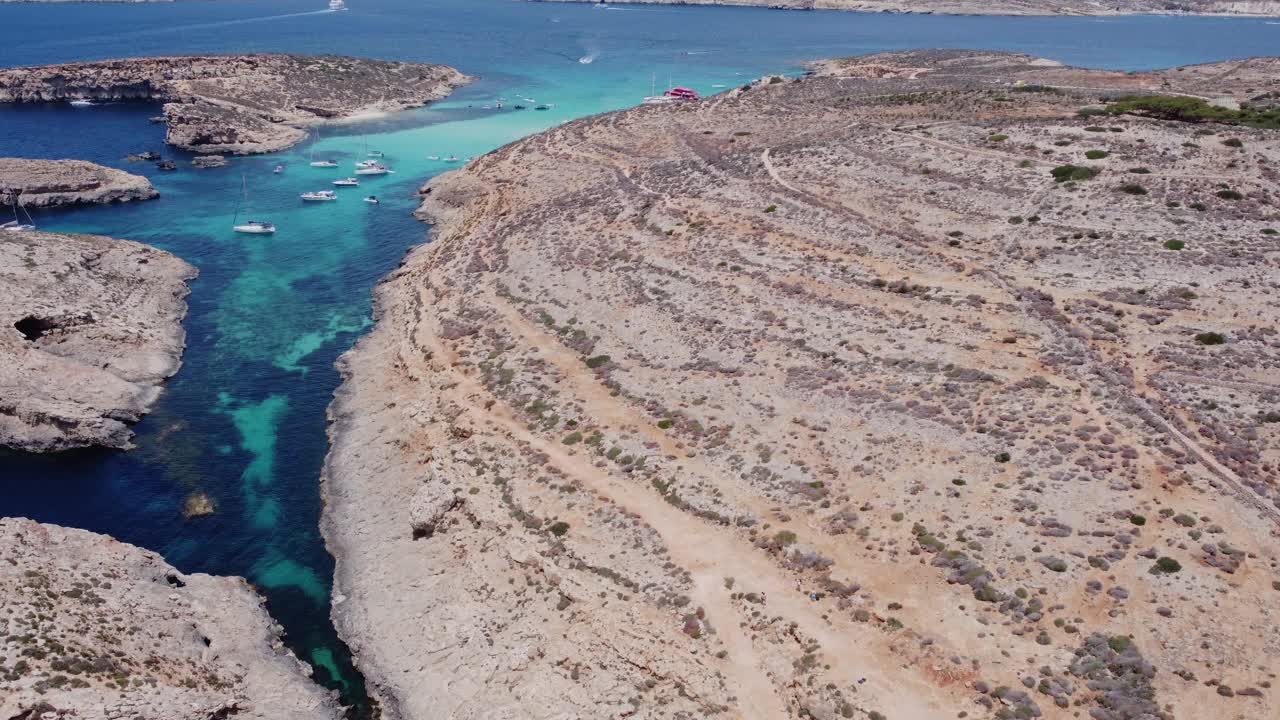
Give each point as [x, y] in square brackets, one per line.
[244, 419]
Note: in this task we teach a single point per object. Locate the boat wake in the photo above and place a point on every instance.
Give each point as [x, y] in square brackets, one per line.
[589, 58]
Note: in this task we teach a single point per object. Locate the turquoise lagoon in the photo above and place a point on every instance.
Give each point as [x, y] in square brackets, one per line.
[244, 420]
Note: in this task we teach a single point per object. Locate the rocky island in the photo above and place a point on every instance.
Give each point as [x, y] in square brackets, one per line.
[96, 628]
[1001, 7]
[932, 385]
[239, 104]
[50, 183]
[89, 328]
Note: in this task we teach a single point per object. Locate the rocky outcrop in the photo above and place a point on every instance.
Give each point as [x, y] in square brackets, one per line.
[239, 104]
[89, 327]
[48, 183]
[844, 396]
[95, 628]
[1000, 7]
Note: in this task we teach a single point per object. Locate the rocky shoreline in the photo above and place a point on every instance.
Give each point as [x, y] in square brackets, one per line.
[89, 329]
[1254, 8]
[239, 104]
[52, 183]
[890, 391]
[96, 628]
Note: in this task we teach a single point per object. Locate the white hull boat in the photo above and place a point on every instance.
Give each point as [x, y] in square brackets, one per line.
[321, 196]
[324, 164]
[347, 182]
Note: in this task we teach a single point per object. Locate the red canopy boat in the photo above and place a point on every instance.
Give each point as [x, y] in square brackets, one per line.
[681, 93]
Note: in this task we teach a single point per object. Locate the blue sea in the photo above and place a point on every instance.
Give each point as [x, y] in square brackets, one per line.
[244, 420]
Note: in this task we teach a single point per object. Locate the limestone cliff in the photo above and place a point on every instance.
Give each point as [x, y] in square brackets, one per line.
[48, 183]
[89, 328]
[239, 103]
[91, 627]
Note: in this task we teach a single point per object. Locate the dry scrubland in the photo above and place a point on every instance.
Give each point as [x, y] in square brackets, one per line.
[824, 398]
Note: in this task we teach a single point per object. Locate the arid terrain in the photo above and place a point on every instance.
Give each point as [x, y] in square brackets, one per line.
[936, 384]
[94, 628]
[1001, 7]
[49, 183]
[239, 104]
[89, 328]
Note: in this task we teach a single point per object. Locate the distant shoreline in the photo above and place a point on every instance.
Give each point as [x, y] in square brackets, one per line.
[1002, 8]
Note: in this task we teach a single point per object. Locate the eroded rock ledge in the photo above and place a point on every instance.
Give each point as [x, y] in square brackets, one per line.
[91, 627]
[239, 103]
[49, 183]
[89, 327]
[905, 390]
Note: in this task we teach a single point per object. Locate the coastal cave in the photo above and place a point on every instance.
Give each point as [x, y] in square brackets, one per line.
[34, 328]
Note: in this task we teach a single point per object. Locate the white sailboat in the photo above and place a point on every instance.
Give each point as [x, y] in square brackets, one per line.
[320, 163]
[249, 227]
[16, 224]
[374, 169]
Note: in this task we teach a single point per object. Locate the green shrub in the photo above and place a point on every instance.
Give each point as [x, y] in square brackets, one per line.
[1132, 189]
[1210, 338]
[1189, 109]
[572, 438]
[1140, 171]
[1138, 520]
[1233, 142]
[784, 537]
[771, 208]
[664, 424]
[559, 529]
[1198, 206]
[1002, 457]
[1119, 643]
[597, 361]
[1063, 173]
[1174, 244]
[1096, 154]
[1166, 565]
[1184, 520]
[1015, 220]
[1229, 195]
[998, 137]
[1270, 231]
[1095, 128]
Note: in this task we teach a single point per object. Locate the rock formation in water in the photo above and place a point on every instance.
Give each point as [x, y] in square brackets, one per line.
[922, 386]
[1000, 7]
[48, 183]
[91, 627]
[239, 103]
[89, 328]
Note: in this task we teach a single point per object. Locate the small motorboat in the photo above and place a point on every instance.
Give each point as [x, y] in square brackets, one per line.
[542, 107]
[324, 164]
[255, 227]
[81, 102]
[367, 163]
[336, 5]
[375, 153]
[433, 157]
[519, 107]
[346, 182]
[372, 200]
[278, 169]
[451, 158]
[319, 196]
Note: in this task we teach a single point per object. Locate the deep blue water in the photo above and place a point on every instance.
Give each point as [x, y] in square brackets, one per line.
[244, 419]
